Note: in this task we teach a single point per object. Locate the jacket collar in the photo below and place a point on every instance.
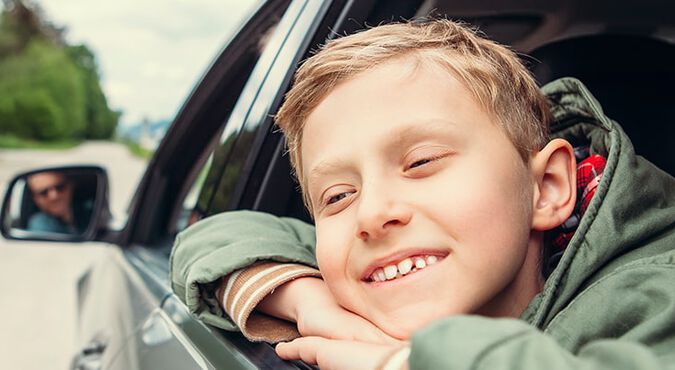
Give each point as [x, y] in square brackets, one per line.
[634, 202]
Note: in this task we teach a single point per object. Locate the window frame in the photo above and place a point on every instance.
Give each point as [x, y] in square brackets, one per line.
[177, 161]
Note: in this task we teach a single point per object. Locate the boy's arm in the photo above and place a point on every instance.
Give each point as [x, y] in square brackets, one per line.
[625, 321]
[222, 244]
[257, 267]
[510, 344]
[275, 302]
[243, 295]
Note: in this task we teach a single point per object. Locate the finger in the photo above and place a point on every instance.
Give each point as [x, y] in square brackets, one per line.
[334, 354]
[304, 349]
[364, 331]
[375, 335]
[349, 326]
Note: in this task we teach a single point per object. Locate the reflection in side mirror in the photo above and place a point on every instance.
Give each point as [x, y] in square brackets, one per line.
[64, 203]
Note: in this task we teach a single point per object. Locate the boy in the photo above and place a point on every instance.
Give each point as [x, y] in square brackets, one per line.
[439, 201]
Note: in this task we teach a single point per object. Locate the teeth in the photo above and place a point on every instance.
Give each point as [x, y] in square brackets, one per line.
[405, 266]
[390, 271]
[380, 275]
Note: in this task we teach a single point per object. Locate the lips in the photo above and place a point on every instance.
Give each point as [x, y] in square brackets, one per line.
[400, 264]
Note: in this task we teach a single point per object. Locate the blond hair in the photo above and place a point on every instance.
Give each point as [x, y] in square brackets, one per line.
[491, 72]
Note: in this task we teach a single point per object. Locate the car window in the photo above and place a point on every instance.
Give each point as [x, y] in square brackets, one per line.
[213, 185]
[226, 181]
[190, 202]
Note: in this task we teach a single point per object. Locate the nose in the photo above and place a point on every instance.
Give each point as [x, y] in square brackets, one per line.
[380, 212]
[53, 194]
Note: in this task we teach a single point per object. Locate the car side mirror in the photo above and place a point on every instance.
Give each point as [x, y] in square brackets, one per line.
[56, 204]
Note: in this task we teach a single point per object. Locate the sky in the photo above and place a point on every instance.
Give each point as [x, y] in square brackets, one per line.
[150, 53]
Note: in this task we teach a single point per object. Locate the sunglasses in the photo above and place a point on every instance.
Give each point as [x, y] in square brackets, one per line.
[59, 188]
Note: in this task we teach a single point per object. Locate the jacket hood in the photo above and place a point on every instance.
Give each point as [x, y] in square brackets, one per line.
[631, 215]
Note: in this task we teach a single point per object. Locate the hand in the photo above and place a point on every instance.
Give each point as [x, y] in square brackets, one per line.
[332, 354]
[309, 303]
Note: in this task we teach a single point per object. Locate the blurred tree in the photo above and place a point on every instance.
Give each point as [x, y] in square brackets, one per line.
[42, 79]
[101, 120]
[48, 89]
[22, 21]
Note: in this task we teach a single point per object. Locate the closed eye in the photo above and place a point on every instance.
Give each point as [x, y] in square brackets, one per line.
[421, 162]
[338, 197]
[424, 161]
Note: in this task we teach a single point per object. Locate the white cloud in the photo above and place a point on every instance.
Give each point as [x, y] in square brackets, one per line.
[150, 52]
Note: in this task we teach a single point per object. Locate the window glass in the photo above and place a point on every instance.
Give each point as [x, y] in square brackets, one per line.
[244, 132]
[217, 178]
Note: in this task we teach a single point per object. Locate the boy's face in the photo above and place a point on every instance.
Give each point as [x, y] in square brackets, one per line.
[404, 168]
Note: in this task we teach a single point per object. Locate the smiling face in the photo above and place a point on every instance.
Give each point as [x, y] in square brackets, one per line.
[423, 206]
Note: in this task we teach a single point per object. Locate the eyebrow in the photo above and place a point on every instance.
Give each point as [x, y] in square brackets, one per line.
[404, 135]
[326, 166]
[413, 131]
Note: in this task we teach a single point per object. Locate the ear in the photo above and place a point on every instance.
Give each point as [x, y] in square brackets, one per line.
[555, 172]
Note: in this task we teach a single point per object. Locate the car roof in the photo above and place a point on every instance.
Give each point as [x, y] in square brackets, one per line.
[527, 25]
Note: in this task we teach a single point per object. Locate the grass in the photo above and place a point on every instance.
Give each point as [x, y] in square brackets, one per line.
[13, 142]
[137, 150]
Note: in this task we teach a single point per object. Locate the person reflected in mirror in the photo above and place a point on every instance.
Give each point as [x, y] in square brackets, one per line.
[52, 193]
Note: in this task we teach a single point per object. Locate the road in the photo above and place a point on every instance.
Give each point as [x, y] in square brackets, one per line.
[37, 280]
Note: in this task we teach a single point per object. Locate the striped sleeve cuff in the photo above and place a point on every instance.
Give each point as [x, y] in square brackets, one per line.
[242, 290]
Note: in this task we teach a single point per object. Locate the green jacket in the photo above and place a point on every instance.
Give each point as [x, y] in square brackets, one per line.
[609, 304]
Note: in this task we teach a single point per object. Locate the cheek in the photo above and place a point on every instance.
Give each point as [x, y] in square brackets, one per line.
[499, 220]
[331, 251]
[487, 209]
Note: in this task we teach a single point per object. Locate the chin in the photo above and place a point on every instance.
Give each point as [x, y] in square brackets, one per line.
[397, 331]
[405, 322]
[403, 329]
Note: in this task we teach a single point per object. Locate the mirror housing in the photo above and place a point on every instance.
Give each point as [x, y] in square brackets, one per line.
[68, 204]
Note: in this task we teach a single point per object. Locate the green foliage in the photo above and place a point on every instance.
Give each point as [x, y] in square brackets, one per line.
[48, 91]
[101, 121]
[137, 150]
[42, 94]
[13, 142]
[8, 38]
[36, 115]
